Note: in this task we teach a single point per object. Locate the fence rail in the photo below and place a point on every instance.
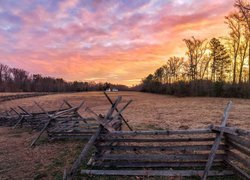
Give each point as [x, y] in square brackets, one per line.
[20, 96]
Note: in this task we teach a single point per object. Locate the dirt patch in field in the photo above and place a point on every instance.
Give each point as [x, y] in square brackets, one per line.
[148, 111]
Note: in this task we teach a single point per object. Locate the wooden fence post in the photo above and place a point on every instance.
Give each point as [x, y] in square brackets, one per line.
[85, 152]
[124, 120]
[217, 141]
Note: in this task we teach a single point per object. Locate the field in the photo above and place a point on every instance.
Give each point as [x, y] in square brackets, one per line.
[147, 111]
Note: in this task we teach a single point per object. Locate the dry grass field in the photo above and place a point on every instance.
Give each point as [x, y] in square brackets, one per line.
[147, 111]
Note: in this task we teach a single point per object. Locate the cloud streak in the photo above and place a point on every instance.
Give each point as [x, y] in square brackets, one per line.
[119, 41]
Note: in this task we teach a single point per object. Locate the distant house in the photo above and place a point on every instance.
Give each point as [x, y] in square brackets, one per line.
[111, 90]
[108, 90]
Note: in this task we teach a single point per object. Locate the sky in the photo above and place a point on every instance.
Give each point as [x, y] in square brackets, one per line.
[119, 41]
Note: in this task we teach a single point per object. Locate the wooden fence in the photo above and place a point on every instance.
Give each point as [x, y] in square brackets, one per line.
[20, 96]
[63, 123]
[168, 153]
[213, 151]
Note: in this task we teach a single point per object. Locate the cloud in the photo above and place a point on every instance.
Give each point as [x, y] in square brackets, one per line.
[104, 40]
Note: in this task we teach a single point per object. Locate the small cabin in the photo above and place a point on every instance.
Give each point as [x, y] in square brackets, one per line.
[108, 90]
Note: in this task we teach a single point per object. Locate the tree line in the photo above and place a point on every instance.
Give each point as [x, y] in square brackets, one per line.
[215, 67]
[18, 80]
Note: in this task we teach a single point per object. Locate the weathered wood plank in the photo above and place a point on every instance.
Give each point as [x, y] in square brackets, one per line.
[217, 141]
[225, 130]
[239, 147]
[233, 156]
[74, 132]
[135, 164]
[239, 140]
[24, 110]
[161, 157]
[243, 132]
[85, 151]
[122, 109]
[160, 148]
[238, 170]
[60, 108]
[19, 96]
[17, 113]
[161, 132]
[65, 112]
[82, 137]
[124, 120]
[45, 112]
[41, 132]
[145, 140]
[113, 107]
[240, 132]
[155, 172]
[18, 122]
[76, 112]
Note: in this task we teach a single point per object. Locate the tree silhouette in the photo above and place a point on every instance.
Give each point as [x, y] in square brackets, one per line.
[195, 51]
[220, 65]
[244, 14]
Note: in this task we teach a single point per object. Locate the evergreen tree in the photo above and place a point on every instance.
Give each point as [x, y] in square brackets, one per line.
[220, 60]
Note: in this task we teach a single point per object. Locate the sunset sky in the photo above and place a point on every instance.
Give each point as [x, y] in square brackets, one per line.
[120, 41]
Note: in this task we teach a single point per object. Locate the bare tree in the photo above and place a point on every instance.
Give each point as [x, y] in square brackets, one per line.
[20, 77]
[203, 66]
[244, 11]
[234, 25]
[167, 76]
[243, 52]
[195, 51]
[159, 74]
[175, 67]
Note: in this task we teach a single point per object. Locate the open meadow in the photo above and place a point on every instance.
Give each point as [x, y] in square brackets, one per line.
[147, 112]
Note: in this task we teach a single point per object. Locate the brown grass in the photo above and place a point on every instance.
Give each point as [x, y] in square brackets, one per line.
[148, 111]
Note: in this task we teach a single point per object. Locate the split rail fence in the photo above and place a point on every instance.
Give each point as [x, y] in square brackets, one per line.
[214, 151]
[62, 123]
[20, 96]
